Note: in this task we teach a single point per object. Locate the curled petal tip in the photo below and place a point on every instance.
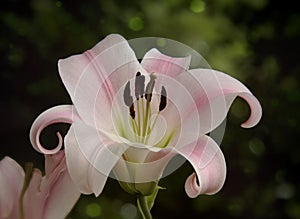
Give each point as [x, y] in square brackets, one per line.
[191, 186]
[60, 139]
[57, 114]
[209, 165]
[256, 111]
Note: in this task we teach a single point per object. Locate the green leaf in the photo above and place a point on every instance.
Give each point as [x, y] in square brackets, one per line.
[151, 198]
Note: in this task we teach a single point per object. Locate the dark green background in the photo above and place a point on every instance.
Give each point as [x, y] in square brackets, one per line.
[256, 41]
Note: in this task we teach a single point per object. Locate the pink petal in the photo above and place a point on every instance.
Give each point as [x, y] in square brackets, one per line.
[64, 193]
[212, 94]
[230, 88]
[209, 164]
[156, 62]
[72, 68]
[57, 114]
[94, 77]
[53, 195]
[53, 161]
[180, 107]
[90, 158]
[11, 183]
[34, 199]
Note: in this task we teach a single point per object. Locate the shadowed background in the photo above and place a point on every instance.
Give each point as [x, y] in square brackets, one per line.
[256, 41]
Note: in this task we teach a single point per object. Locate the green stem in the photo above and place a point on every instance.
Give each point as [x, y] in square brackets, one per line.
[143, 207]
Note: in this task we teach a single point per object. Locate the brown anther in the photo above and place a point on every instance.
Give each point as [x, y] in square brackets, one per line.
[139, 85]
[126, 95]
[150, 87]
[163, 99]
[132, 112]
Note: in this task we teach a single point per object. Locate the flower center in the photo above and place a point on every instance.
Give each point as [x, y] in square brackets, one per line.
[140, 110]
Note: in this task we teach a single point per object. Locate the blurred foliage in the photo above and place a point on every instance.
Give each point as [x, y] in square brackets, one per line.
[256, 41]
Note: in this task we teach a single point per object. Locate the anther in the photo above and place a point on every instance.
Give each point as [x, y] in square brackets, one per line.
[163, 99]
[139, 85]
[149, 88]
[132, 112]
[126, 95]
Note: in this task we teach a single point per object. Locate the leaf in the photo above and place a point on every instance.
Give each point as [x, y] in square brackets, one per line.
[151, 198]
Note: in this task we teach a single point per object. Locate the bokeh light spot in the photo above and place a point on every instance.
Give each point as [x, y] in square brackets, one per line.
[256, 146]
[285, 191]
[93, 210]
[236, 208]
[161, 42]
[197, 6]
[128, 211]
[136, 23]
[58, 4]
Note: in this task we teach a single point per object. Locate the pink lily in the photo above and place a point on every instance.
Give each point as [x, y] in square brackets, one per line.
[11, 183]
[135, 138]
[51, 196]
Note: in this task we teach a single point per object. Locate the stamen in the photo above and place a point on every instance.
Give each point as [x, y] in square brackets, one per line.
[163, 99]
[129, 100]
[143, 124]
[149, 88]
[139, 85]
[127, 97]
[132, 112]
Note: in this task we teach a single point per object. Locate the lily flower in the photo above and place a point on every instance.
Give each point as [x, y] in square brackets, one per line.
[35, 196]
[11, 182]
[130, 118]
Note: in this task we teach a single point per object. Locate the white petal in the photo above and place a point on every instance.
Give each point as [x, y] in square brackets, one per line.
[155, 61]
[94, 77]
[90, 157]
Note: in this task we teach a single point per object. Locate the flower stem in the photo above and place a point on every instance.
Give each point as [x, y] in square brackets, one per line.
[143, 207]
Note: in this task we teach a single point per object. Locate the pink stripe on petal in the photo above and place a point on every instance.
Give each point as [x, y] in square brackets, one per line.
[155, 61]
[57, 114]
[220, 87]
[72, 68]
[94, 77]
[209, 164]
